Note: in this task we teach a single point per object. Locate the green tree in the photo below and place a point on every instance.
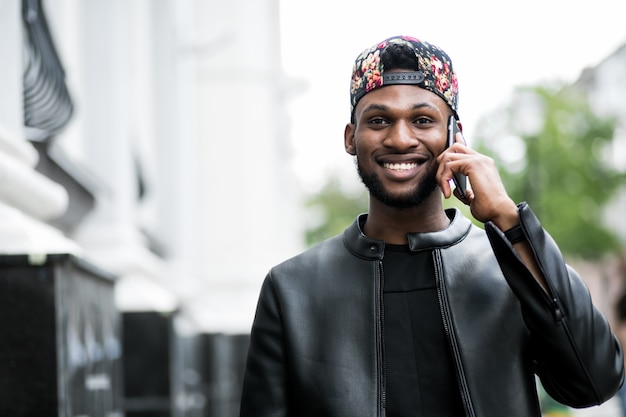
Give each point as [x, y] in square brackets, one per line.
[333, 209]
[554, 157]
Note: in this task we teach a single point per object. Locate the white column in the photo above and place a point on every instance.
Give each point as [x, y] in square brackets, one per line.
[27, 198]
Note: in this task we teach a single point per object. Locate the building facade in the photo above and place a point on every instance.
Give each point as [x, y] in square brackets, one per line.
[150, 140]
[177, 151]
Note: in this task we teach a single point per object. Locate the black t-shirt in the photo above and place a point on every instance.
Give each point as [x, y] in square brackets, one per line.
[420, 376]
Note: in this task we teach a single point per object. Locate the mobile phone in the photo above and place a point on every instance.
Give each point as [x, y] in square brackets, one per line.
[460, 180]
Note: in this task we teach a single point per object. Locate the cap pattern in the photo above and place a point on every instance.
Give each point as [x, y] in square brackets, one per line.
[433, 62]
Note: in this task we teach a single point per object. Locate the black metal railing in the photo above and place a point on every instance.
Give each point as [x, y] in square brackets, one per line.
[47, 103]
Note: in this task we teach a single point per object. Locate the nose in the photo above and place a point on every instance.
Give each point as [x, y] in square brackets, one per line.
[401, 137]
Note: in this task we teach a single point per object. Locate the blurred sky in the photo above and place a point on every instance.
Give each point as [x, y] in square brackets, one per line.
[495, 46]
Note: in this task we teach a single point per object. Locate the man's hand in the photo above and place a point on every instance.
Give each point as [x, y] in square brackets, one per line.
[487, 197]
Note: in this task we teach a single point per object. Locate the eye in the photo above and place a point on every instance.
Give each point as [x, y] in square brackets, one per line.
[377, 121]
[421, 120]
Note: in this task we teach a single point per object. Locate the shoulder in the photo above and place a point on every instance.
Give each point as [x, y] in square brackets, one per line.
[472, 253]
[322, 252]
[315, 271]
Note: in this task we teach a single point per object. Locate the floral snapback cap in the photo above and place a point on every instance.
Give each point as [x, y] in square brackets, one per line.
[434, 71]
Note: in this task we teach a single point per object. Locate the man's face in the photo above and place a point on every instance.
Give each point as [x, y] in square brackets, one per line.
[398, 133]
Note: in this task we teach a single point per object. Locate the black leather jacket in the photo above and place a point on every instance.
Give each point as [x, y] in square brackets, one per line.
[316, 346]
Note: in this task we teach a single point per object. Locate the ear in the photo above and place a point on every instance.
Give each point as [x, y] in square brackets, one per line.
[348, 139]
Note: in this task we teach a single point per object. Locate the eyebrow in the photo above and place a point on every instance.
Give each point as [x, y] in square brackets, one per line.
[376, 107]
[425, 105]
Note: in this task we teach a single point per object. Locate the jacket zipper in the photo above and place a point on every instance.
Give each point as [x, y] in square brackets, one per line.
[442, 298]
[382, 384]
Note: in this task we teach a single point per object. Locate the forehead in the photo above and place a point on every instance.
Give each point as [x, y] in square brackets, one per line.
[402, 97]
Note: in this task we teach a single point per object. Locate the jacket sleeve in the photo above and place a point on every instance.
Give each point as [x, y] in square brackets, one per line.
[577, 357]
[264, 387]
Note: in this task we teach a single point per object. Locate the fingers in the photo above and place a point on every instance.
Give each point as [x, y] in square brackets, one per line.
[487, 197]
[445, 180]
[458, 138]
[451, 162]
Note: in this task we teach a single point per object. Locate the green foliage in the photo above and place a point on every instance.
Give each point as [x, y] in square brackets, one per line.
[560, 169]
[333, 209]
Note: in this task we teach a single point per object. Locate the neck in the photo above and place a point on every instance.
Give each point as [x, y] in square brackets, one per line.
[392, 224]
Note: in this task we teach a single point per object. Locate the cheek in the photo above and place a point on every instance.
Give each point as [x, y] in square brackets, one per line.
[436, 144]
[363, 143]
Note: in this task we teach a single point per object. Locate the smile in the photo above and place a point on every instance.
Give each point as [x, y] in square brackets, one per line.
[402, 166]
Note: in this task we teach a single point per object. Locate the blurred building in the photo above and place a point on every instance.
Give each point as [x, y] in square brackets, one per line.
[150, 139]
[605, 87]
[170, 164]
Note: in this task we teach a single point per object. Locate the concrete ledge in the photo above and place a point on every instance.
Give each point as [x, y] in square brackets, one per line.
[17, 147]
[28, 190]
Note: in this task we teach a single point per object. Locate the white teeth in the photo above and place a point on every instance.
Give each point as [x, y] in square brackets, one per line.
[401, 166]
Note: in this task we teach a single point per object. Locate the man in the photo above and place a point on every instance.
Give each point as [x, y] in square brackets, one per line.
[413, 311]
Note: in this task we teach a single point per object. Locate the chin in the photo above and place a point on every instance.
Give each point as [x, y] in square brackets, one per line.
[404, 198]
[401, 199]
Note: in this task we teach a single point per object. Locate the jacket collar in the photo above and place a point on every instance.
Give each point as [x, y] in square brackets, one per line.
[367, 248]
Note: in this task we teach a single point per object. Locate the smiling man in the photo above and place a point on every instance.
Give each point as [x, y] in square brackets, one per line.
[413, 310]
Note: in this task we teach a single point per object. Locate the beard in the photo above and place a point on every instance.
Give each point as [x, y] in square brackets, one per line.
[420, 193]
